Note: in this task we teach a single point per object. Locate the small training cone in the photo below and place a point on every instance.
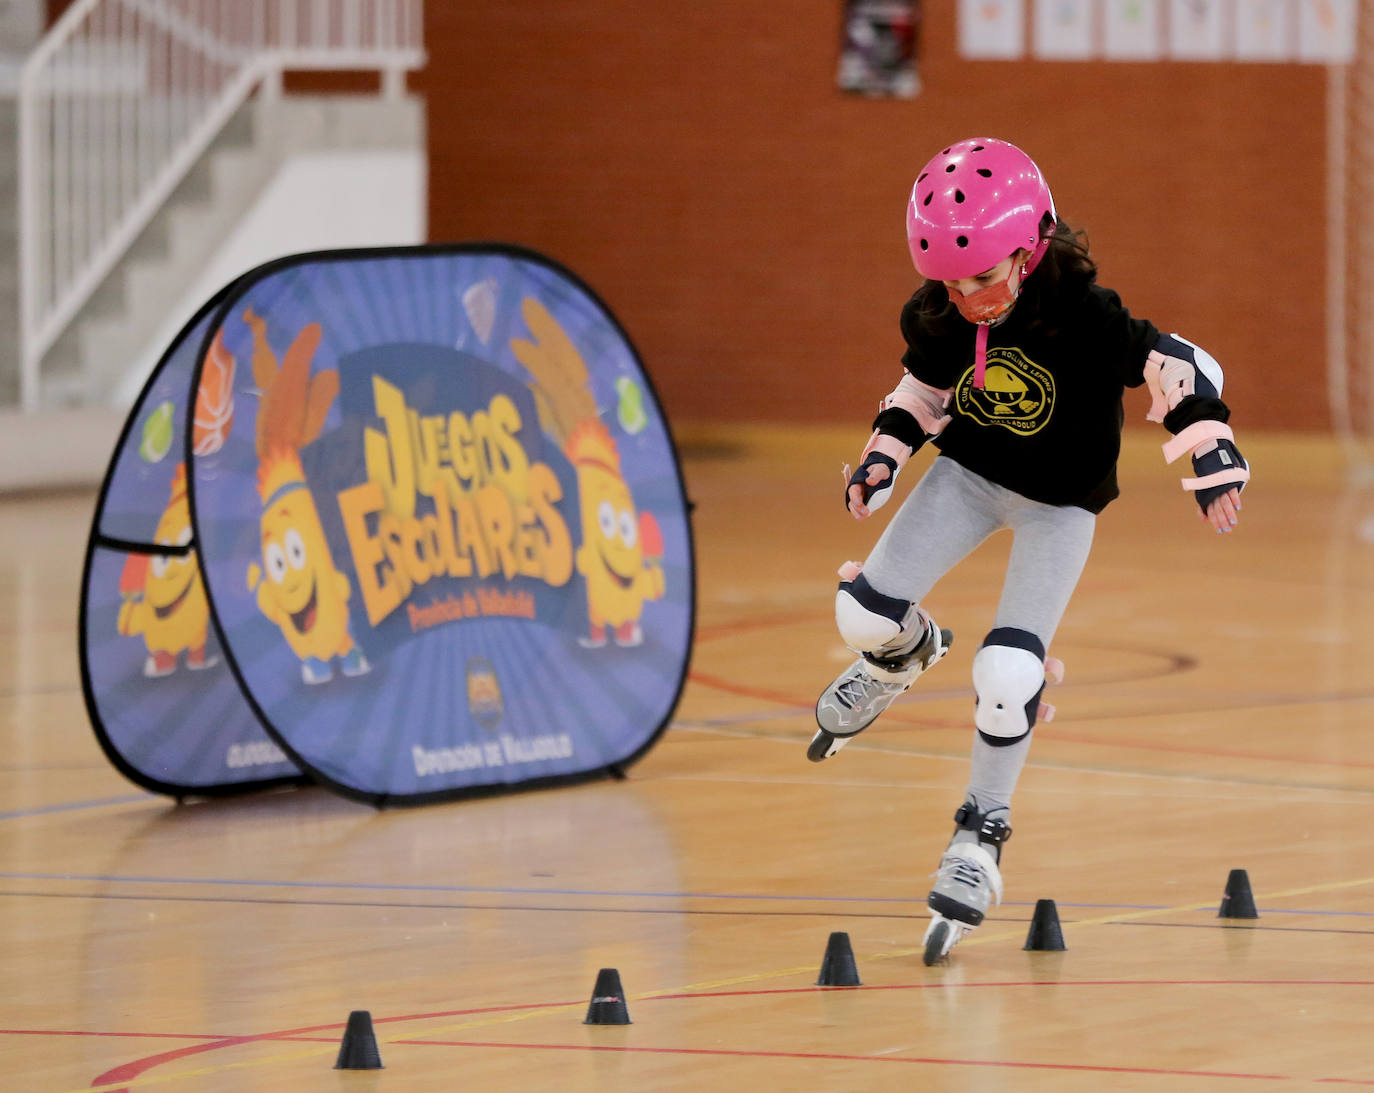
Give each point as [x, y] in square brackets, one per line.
[838, 968]
[1044, 934]
[359, 1048]
[608, 1001]
[1238, 901]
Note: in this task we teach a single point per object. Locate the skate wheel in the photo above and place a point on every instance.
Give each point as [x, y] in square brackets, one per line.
[937, 942]
[823, 745]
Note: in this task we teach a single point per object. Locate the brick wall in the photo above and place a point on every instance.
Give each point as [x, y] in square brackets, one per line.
[695, 162]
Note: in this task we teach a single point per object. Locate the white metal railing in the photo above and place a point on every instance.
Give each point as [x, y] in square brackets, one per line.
[122, 97]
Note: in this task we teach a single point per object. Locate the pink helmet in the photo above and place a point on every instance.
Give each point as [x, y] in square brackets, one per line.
[974, 204]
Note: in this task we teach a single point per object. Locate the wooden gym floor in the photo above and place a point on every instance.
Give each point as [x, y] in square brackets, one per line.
[1215, 716]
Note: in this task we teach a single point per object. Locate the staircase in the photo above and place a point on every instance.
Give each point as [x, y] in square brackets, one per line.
[145, 129]
[9, 249]
[118, 328]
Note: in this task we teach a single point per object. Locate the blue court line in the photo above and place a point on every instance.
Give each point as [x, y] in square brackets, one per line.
[356, 887]
[74, 806]
[339, 885]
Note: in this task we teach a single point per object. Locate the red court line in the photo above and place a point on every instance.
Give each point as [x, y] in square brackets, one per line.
[1026, 983]
[836, 1057]
[1047, 731]
[114, 1035]
[131, 1070]
[762, 694]
[1178, 661]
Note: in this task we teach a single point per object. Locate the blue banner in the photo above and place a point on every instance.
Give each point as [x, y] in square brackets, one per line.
[163, 702]
[443, 532]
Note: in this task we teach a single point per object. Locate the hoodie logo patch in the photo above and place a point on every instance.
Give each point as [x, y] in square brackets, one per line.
[1017, 393]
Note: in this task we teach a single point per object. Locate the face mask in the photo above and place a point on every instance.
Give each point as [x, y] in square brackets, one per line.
[987, 305]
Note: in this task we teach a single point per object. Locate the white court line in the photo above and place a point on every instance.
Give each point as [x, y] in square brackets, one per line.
[1324, 793]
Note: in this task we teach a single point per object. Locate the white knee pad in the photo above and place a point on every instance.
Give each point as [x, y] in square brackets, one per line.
[1008, 678]
[867, 619]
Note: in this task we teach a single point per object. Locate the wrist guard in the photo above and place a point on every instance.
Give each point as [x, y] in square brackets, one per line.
[1217, 462]
[875, 497]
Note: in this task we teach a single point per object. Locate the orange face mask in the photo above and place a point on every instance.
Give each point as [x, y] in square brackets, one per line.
[987, 305]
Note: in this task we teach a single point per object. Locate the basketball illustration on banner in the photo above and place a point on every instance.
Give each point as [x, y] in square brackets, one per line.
[439, 539]
[214, 412]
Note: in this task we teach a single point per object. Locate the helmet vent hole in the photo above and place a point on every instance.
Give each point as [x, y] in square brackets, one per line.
[977, 148]
[984, 172]
[950, 169]
[928, 197]
[925, 244]
[923, 176]
[962, 241]
[947, 150]
[959, 197]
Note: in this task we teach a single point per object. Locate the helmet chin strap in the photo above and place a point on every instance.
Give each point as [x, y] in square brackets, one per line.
[980, 355]
[987, 307]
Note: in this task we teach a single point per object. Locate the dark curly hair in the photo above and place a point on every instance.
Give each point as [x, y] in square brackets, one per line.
[1064, 274]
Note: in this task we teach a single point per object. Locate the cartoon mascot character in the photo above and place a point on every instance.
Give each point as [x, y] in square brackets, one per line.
[621, 547]
[302, 591]
[164, 598]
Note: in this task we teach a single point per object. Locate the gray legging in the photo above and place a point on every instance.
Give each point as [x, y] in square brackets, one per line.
[946, 516]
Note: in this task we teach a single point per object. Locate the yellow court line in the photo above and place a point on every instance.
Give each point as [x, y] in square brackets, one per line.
[733, 981]
[1334, 886]
[1154, 912]
[509, 1018]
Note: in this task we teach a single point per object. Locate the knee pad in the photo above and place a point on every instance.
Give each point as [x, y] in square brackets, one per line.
[1008, 679]
[867, 619]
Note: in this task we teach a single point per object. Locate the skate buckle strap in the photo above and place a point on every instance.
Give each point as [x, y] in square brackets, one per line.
[990, 830]
[935, 639]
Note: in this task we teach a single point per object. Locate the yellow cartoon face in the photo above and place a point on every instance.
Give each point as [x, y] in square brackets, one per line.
[1004, 389]
[611, 557]
[177, 614]
[301, 591]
